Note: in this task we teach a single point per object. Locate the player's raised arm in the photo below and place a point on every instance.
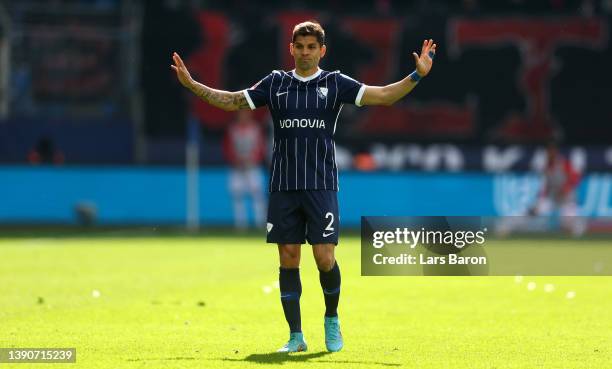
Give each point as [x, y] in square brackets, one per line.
[225, 100]
[389, 94]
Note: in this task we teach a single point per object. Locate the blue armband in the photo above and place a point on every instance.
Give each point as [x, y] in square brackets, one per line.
[414, 76]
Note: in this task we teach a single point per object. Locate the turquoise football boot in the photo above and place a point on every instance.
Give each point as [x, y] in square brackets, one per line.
[296, 343]
[333, 336]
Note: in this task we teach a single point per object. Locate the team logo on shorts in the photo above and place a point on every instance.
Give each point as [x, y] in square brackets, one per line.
[322, 92]
[269, 227]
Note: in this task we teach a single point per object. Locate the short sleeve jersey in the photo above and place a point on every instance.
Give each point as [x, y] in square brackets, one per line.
[305, 114]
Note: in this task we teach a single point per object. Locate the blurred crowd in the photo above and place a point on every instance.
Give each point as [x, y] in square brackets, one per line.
[394, 7]
[83, 72]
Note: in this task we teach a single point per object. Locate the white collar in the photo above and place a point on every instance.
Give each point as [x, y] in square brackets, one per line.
[305, 79]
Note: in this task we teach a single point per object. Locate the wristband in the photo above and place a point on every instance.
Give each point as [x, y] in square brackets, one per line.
[415, 77]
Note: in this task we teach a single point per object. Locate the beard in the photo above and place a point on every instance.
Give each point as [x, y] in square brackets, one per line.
[306, 64]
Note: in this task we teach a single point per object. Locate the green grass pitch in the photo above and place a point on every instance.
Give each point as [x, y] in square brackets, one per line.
[213, 302]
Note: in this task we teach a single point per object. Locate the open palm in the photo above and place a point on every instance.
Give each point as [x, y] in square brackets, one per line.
[182, 73]
[425, 60]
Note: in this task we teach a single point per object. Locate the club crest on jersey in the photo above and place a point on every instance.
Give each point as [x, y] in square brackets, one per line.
[322, 92]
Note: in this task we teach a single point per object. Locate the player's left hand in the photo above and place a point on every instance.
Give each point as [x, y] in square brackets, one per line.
[425, 60]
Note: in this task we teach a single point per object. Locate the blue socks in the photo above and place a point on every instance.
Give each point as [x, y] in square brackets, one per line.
[330, 282]
[291, 290]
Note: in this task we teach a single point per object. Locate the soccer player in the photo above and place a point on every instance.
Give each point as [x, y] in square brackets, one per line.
[244, 148]
[556, 199]
[558, 192]
[305, 104]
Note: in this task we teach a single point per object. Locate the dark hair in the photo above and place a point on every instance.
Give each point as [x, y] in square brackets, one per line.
[309, 28]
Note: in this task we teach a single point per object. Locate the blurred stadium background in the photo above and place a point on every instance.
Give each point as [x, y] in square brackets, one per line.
[101, 144]
[95, 129]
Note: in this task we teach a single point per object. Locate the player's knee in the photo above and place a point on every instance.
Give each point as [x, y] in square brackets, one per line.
[289, 260]
[289, 257]
[325, 262]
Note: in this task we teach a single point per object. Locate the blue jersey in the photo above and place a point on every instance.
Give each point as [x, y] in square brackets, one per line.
[305, 113]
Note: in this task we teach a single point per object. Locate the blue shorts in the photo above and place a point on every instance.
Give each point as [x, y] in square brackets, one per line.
[297, 216]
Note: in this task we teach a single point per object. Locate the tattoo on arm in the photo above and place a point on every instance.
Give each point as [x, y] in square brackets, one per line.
[240, 100]
[222, 99]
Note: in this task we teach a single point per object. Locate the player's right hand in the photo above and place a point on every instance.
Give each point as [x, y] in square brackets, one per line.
[181, 71]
